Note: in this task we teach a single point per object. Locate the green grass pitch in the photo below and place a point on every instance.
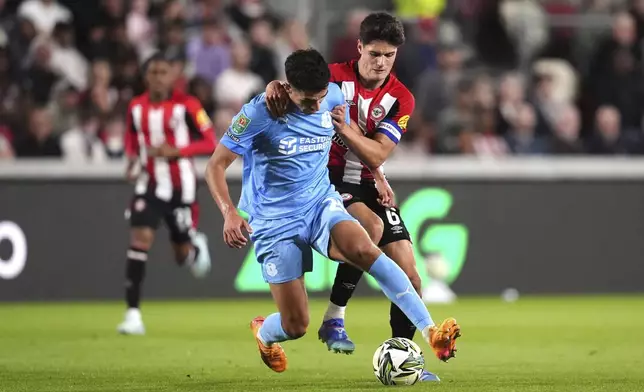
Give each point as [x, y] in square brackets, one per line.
[536, 344]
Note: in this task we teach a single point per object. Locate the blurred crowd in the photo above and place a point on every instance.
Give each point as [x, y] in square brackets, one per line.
[490, 77]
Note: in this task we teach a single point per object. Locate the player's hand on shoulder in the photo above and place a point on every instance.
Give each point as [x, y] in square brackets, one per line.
[277, 100]
[338, 115]
[234, 227]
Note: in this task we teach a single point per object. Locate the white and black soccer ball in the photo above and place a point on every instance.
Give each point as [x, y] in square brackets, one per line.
[398, 361]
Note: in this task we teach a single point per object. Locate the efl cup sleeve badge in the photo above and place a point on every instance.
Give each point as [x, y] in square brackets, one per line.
[377, 113]
[203, 121]
[402, 123]
[241, 124]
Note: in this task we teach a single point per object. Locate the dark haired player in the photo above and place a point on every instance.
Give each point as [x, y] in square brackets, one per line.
[293, 207]
[380, 107]
[165, 130]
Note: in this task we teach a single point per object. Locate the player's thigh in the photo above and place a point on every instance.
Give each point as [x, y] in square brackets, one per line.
[144, 216]
[292, 303]
[178, 220]
[340, 237]
[368, 219]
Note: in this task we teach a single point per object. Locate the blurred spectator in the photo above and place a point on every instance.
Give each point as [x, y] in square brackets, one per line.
[10, 93]
[293, 36]
[64, 59]
[39, 142]
[263, 57]
[7, 19]
[119, 46]
[237, 84]
[609, 137]
[139, 28]
[565, 140]
[44, 14]
[453, 120]
[510, 100]
[345, 47]
[40, 79]
[63, 108]
[172, 40]
[418, 54]
[81, 143]
[98, 44]
[522, 138]
[178, 69]
[637, 12]
[206, 10]
[101, 95]
[112, 12]
[6, 149]
[484, 142]
[209, 53]
[435, 91]
[20, 40]
[200, 88]
[113, 135]
[244, 12]
[623, 44]
[127, 79]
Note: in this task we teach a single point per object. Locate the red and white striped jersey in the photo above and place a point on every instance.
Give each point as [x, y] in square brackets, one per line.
[386, 110]
[179, 121]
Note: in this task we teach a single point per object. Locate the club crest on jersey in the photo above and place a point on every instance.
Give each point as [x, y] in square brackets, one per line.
[326, 120]
[377, 113]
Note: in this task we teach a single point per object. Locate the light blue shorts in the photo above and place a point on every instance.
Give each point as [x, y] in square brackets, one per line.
[283, 246]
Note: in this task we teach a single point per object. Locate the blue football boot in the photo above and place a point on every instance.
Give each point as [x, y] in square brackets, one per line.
[429, 376]
[332, 333]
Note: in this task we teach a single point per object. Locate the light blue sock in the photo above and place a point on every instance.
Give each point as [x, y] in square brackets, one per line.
[398, 288]
[272, 331]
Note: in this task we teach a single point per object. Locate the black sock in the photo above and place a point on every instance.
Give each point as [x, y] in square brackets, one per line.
[346, 280]
[134, 273]
[401, 327]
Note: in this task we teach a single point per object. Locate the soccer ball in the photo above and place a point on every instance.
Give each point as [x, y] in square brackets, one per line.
[398, 361]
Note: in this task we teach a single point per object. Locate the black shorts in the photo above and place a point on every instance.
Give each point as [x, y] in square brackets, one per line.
[394, 227]
[180, 218]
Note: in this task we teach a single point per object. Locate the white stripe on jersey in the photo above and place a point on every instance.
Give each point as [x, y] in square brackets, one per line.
[349, 90]
[186, 169]
[353, 166]
[161, 167]
[363, 112]
[188, 181]
[142, 181]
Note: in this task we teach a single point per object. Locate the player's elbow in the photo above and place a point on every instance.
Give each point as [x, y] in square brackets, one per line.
[374, 162]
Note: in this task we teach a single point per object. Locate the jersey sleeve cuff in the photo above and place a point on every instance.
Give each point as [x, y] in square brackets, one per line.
[392, 131]
[232, 144]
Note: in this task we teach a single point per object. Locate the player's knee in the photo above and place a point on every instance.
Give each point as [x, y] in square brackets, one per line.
[141, 239]
[374, 227]
[362, 252]
[295, 326]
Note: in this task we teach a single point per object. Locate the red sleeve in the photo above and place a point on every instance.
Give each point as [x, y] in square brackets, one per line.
[131, 137]
[395, 124]
[202, 132]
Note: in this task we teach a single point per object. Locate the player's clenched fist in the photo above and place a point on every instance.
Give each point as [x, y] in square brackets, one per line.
[234, 227]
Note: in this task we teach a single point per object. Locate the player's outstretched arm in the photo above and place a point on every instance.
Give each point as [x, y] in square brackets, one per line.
[372, 152]
[215, 175]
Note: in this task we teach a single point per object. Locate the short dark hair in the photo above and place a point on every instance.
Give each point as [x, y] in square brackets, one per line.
[381, 26]
[158, 56]
[306, 70]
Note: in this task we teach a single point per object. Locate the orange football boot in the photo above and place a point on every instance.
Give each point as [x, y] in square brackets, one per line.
[442, 339]
[273, 356]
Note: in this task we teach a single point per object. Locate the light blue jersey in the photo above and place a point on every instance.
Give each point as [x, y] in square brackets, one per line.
[285, 183]
[284, 160]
